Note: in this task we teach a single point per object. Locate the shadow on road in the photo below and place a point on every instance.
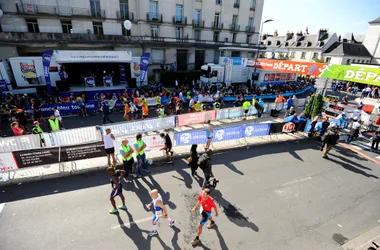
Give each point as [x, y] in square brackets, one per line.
[352, 168]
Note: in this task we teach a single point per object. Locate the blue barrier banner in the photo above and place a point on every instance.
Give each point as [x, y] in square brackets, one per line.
[256, 129]
[64, 108]
[225, 134]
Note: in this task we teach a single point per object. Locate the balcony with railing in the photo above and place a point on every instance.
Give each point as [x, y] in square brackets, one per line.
[217, 25]
[234, 27]
[236, 5]
[153, 17]
[197, 23]
[55, 10]
[179, 20]
[122, 15]
[250, 29]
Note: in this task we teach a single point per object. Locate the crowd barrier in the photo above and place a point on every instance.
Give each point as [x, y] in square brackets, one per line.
[15, 143]
[60, 154]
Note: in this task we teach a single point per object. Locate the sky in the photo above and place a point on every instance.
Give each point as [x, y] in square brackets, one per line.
[340, 16]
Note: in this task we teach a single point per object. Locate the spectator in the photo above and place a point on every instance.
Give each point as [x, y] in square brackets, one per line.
[290, 103]
[106, 111]
[290, 112]
[375, 140]
[193, 159]
[17, 131]
[140, 154]
[38, 131]
[57, 114]
[54, 124]
[80, 103]
[354, 131]
[330, 138]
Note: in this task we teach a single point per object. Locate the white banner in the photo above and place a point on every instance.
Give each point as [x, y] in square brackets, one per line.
[7, 162]
[73, 136]
[16, 143]
[82, 56]
[206, 98]
[132, 128]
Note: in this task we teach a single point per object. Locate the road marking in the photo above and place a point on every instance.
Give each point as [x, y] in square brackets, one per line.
[296, 181]
[359, 153]
[132, 223]
[2, 205]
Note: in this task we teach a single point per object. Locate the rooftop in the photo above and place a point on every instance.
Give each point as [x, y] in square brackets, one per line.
[377, 20]
[348, 49]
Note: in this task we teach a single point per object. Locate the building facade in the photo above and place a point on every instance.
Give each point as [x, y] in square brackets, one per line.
[372, 40]
[188, 32]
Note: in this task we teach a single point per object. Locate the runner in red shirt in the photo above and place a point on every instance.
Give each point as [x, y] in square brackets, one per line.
[207, 203]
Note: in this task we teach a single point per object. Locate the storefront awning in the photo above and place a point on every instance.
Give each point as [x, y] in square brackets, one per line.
[89, 56]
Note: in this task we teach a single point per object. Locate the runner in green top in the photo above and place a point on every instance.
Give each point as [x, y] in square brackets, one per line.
[246, 107]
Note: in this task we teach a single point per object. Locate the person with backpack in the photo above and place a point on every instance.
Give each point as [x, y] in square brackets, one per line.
[205, 163]
[330, 138]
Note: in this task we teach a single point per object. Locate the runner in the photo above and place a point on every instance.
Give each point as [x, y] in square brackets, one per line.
[134, 111]
[127, 155]
[167, 147]
[145, 111]
[108, 139]
[246, 107]
[161, 112]
[178, 107]
[159, 208]
[191, 105]
[209, 132]
[127, 111]
[207, 204]
[117, 189]
[57, 114]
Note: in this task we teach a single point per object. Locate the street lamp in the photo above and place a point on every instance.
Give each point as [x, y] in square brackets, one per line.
[261, 30]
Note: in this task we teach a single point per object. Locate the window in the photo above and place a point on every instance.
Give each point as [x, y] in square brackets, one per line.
[124, 9]
[236, 3]
[252, 5]
[235, 53]
[248, 39]
[178, 13]
[250, 22]
[328, 59]
[98, 28]
[125, 32]
[315, 55]
[216, 56]
[218, 1]
[367, 61]
[234, 37]
[353, 61]
[197, 35]
[216, 37]
[67, 27]
[363, 61]
[153, 9]
[179, 32]
[303, 55]
[216, 19]
[197, 17]
[154, 31]
[95, 8]
[158, 56]
[234, 20]
[348, 61]
[32, 25]
[293, 54]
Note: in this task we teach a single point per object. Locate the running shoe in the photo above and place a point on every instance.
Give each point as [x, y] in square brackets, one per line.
[153, 232]
[114, 211]
[171, 223]
[124, 207]
[169, 161]
[146, 170]
[211, 225]
[195, 241]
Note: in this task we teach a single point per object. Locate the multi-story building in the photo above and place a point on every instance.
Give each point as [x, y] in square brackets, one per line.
[372, 40]
[188, 32]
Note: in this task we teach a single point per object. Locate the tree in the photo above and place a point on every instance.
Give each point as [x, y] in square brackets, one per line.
[318, 105]
[309, 105]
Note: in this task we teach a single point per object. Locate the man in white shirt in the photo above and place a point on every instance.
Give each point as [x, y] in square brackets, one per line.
[354, 131]
[176, 84]
[356, 114]
[181, 95]
[57, 114]
[368, 90]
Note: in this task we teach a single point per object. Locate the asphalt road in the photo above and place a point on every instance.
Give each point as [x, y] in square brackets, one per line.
[270, 197]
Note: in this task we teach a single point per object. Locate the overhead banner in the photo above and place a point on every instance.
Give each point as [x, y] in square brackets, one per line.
[303, 68]
[364, 75]
[144, 66]
[83, 56]
[46, 58]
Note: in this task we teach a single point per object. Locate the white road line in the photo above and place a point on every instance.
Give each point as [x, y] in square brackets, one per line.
[296, 181]
[132, 223]
[2, 205]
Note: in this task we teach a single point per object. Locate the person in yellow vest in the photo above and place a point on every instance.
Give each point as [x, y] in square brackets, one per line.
[38, 131]
[126, 152]
[140, 155]
[197, 106]
[145, 111]
[158, 101]
[246, 107]
[54, 124]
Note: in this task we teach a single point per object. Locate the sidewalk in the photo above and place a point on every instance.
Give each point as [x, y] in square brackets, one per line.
[97, 164]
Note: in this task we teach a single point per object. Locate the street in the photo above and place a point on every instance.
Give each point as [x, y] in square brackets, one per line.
[274, 196]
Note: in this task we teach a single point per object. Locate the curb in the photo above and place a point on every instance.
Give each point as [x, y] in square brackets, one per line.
[158, 161]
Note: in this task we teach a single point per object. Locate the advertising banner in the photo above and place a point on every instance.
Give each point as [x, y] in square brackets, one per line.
[90, 81]
[123, 76]
[46, 58]
[136, 71]
[28, 69]
[81, 152]
[353, 73]
[65, 108]
[37, 157]
[229, 113]
[144, 66]
[95, 56]
[257, 129]
[7, 162]
[107, 80]
[303, 68]
[131, 128]
[195, 118]
[14, 143]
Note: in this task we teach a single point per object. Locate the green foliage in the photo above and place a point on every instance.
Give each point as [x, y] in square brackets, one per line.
[309, 105]
[318, 105]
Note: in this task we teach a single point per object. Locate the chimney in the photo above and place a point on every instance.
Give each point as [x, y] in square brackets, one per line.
[299, 35]
[321, 33]
[275, 34]
[264, 37]
[289, 36]
[307, 30]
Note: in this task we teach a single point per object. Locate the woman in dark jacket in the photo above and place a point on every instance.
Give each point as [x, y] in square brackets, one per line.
[193, 160]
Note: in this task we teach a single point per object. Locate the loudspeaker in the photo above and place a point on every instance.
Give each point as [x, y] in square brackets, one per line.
[131, 82]
[62, 86]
